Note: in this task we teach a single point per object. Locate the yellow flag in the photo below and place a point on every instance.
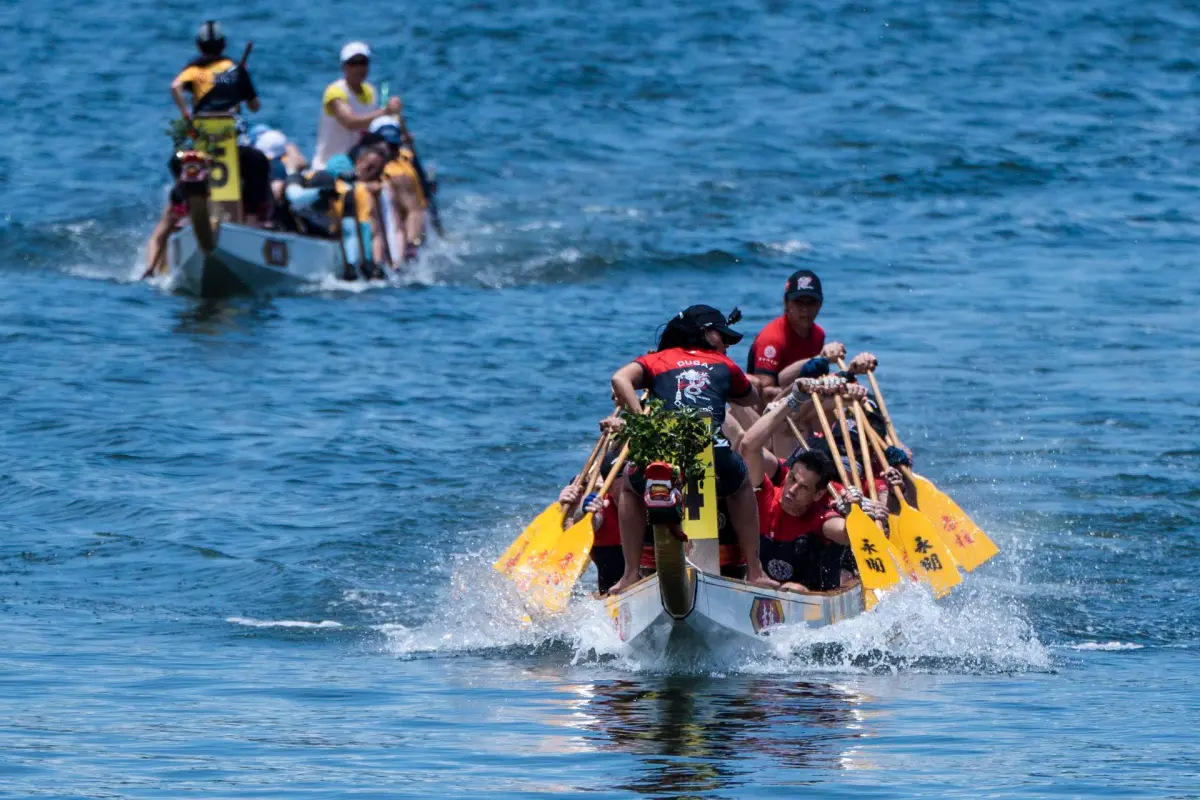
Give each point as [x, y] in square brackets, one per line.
[700, 504]
[224, 178]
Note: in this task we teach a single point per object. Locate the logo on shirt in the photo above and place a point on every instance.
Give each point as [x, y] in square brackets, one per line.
[769, 351]
[690, 384]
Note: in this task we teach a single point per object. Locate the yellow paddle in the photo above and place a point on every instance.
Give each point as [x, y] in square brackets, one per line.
[546, 524]
[872, 550]
[549, 575]
[970, 545]
[928, 554]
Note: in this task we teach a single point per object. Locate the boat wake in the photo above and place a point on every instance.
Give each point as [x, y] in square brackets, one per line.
[981, 629]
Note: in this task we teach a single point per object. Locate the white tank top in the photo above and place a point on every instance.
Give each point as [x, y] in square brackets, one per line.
[332, 138]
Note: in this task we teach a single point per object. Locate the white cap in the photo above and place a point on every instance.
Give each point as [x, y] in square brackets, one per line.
[353, 49]
[383, 122]
[272, 143]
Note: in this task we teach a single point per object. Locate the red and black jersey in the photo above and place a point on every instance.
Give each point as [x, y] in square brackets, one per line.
[701, 379]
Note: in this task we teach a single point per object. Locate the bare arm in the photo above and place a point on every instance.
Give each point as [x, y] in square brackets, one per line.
[180, 100]
[753, 447]
[340, 110]
[751, 398]
[293, 159]
[625, 383]
[835, 530]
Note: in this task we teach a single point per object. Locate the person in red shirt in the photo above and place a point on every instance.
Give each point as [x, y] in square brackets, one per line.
[606, 547]
[793, 337]
[803, 533]
[690, 370]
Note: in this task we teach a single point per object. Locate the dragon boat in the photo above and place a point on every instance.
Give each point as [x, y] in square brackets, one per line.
[687, 603]
[216, 256]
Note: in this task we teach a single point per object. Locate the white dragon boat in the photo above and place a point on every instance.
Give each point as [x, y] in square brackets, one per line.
[683, 604]
[217, 256]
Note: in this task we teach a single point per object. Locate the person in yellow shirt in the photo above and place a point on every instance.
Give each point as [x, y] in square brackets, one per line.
[214, 81]
[348, 106]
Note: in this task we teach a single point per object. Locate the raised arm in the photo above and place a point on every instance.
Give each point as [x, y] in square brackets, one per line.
[754, 441]
[625, 383]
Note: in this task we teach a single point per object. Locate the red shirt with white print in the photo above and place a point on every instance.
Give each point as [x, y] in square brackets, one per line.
[776, 524]
[701, 379]
[777, 347]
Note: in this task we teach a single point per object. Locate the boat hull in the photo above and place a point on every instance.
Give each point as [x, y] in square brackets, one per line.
[723, 610]
[248, 260]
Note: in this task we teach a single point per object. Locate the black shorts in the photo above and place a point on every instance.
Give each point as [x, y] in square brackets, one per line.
[809, 560]
[610, 565]
[728, 465]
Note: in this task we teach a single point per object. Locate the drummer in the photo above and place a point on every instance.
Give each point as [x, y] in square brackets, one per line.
[690, 370]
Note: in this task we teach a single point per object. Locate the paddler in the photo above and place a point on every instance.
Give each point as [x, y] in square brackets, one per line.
[406, 200]
[689, 369]
[792, 337]
[215, 82]
[803, 531]
[348, 107]
[329, 206]
[606, 547]
[216, 85]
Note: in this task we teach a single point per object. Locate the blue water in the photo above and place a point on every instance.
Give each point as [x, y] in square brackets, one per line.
[245, 547]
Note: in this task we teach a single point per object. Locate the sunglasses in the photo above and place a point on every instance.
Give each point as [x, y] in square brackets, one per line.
[358, 61]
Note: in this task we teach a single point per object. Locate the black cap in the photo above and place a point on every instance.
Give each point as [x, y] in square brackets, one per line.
[707, 317]
[803, 283]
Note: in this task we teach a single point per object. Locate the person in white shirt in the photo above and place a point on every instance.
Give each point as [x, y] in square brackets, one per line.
[348, 107]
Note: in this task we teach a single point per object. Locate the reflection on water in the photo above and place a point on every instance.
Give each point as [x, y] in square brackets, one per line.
[212, 317]
[698, 734]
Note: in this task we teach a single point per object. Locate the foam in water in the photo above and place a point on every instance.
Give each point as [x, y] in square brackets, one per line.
[282, 623]
[1108, 647]
[976, 630]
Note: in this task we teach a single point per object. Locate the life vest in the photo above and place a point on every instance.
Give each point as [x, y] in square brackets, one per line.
[338, 198]
[216, 84]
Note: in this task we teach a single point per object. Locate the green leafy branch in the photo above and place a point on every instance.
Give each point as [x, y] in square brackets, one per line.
[677, 437]
[185, 136]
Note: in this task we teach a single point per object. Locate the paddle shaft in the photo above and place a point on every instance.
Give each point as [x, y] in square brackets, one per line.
[887, 418]
[863, 448]
[586, 476]
[828, 431]
[847, 442]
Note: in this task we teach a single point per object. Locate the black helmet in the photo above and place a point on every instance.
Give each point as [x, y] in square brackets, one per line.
[210, 38]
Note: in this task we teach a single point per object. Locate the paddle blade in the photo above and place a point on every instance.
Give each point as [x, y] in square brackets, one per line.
[970, 545]
[927, 553]
[548, 582]
[548, 520]
[870, 546]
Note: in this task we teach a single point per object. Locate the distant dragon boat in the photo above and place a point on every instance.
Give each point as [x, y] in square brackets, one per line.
[217, 256]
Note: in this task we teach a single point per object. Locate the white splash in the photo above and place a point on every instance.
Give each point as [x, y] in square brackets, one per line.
[282, 623]
[1108, 647]
[976, 630]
